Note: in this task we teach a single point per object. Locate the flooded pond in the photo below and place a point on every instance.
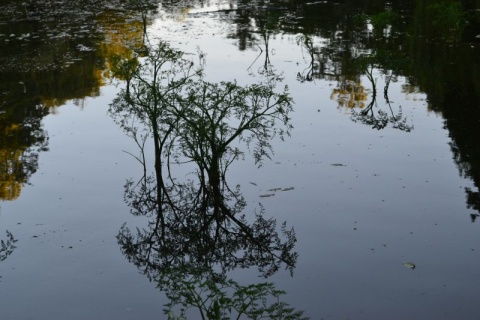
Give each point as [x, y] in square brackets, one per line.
[239, 159]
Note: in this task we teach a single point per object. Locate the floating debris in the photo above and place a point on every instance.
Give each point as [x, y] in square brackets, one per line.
[81, 47]
[409, 265]
[267, 195]
[253, 183]
[275, 189]
[288, 189]
[338, 165]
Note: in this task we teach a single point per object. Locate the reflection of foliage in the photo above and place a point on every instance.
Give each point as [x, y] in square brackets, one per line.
[448, 73]
[49, 57]
[198, 114]
[7, 246]
[198, 233]
[267, 68]
[382, 19]
[206, 130]
[199, 224]
[144, 6]
[306, 42]
[152, 89]
[218, 298]
[380, 119]
[38, 42]
[473, 199]
[198, 121]
[22, 138]
[444, 19]
[449, 18]
[252, 18]
[350, 94]
[54, 47]
[381, 22]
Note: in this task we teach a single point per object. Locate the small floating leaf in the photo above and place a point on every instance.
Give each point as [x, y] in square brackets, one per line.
[266, 195]
[409, 265]
[275, 189]
[338, 165]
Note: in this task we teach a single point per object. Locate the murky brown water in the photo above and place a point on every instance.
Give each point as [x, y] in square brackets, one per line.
[379, 177]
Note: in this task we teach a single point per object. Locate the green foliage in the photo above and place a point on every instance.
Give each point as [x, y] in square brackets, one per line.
[152, 86]
[383, 19]
[169, 97]
[380, 119]
[7, 246]
[213, 115]
[218, 298]
[449, 18]
[190, 119]
[379, 21]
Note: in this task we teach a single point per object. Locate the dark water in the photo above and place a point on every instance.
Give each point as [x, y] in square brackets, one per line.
[380, 174]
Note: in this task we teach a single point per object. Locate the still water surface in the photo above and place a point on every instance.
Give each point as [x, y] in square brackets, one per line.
[363, 198]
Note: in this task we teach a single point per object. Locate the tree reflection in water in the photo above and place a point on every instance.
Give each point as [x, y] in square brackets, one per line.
[381, 119]
[7, 246]
[198, 230]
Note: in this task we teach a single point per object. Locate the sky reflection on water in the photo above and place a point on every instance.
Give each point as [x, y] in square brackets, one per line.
[364, 201]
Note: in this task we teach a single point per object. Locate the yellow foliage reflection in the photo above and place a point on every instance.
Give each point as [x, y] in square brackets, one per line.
[12, 174]
[10, 170]
[350, 94]
[44, 74]
[123, 37]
